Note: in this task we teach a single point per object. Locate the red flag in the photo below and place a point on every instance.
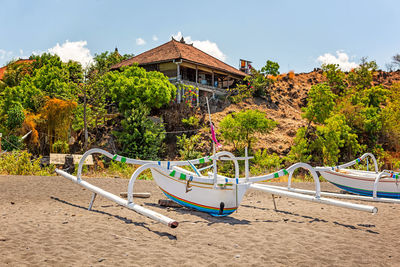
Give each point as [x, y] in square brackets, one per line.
[218, 145]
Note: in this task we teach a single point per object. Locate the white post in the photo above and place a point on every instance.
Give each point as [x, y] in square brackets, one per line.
[246, 164]
[375, 190]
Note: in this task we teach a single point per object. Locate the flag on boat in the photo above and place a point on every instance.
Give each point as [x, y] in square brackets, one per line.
[217, 144]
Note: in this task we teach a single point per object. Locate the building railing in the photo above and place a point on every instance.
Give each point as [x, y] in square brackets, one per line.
[203, 87]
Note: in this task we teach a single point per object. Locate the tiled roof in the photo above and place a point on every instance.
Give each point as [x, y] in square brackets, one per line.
[177, 50]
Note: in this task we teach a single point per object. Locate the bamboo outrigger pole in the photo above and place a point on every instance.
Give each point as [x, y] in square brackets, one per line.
[123, 202]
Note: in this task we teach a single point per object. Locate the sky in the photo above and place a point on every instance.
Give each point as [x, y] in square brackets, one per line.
[299, 35]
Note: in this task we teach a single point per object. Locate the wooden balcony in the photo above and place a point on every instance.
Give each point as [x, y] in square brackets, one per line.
[202, 87]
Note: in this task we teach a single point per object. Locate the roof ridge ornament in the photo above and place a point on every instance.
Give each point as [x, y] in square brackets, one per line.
[182, 41]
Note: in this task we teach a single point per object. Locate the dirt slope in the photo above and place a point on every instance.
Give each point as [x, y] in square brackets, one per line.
[288, 96]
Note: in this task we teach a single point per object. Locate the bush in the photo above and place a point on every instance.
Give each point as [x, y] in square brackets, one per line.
[20, 163]
[192, 121]
[239, 128]
[15, 117]
[187, 146]
[336, 78]
[300, 151]
[321, 102]
[265, 162]
[12, 143]
[134, 86]
[60, 147]
[141, 137]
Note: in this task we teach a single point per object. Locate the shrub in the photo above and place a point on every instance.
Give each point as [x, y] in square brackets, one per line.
[12, 142]
[239, 128]
[141, 137]
[300, 151]
[263, 162]
[192, 121]
[134, 86]
[336, 78]
[321, 102]
[60, 147]
[15, 117]
[187, 146]
[20, 163]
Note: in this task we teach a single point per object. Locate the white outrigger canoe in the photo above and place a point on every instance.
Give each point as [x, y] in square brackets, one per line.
[374, 184]
[212, 193]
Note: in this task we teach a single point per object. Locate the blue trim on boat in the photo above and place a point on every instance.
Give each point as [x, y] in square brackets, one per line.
[368, 193]
[214, 213]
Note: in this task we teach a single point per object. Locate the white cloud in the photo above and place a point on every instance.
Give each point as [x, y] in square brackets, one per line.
[5, 54]
[342, 59]
[155, 38]
[76, 51]
[140, 41]
[21, 52]
[206, 46]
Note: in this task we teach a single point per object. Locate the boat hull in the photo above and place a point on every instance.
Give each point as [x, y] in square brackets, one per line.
[362, 183]
[202, 196]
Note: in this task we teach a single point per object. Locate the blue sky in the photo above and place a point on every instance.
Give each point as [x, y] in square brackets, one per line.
[299, 35]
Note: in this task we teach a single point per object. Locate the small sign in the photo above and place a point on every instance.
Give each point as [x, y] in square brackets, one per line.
[59, 159]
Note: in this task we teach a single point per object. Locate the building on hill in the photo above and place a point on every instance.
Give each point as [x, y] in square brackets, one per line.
[185, 64]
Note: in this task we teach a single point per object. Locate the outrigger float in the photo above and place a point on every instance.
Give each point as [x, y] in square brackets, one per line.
[373, 186]
[212, 193]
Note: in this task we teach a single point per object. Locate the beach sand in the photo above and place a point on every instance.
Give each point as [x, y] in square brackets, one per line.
[45, 221]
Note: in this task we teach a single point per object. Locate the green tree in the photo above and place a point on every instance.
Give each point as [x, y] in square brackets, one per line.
[239, 128]
[334, 138]
[321, 102]
[336, 78]
[134, 86]
[141, 137]
[300, 151]
[270, 68]
[362, 76]
[50, 77]
[15, 117]
[391, 118]
[102, 62]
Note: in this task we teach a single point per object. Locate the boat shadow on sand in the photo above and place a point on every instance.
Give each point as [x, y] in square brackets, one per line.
[310, 219]
[205, 216]
[124, 219]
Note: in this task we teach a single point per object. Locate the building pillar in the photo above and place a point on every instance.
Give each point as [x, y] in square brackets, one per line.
[178, 82]
[197, 75]
[178, 71]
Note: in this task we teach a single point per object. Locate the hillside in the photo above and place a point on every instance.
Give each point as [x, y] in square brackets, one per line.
[288, 96]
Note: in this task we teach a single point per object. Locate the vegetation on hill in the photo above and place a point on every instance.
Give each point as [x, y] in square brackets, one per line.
[324, 117]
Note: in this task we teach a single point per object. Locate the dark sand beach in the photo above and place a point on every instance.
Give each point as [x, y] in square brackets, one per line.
[45, 221]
